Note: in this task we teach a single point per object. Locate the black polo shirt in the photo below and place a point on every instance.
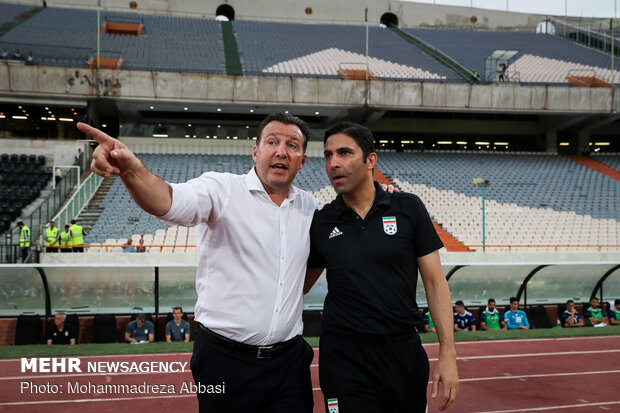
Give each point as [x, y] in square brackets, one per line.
[371, 264]
[61, 337]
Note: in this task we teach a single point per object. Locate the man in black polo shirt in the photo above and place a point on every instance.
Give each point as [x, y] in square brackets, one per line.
[60, 333]
[372, 244]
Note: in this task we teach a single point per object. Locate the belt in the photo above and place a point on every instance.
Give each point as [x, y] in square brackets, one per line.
[261, 352]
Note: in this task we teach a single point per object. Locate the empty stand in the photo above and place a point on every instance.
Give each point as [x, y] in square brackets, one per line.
[22, 177]
[540, 58]
[11, 11]
[167, 43]
[533, 199]
[541, 199]
[323, 50]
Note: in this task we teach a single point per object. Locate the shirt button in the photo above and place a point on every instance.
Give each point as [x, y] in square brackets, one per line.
[280, 283]
[363, 227]
[357, 217]
[282, 258]
[276, 310]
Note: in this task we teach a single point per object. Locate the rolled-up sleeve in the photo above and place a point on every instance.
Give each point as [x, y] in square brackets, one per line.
[197, 200]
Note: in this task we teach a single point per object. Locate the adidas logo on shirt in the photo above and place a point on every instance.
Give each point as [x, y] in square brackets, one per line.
[335, 233]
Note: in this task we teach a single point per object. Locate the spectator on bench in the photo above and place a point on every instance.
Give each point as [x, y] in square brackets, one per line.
[140, 331]
[141, 247]
[614, 313]
[463, 319]
[177, 329]
[594, 315]
[491, 319]
[128, 247]
[429, 327]
[571, 317]
[516, 319]
[60, 333]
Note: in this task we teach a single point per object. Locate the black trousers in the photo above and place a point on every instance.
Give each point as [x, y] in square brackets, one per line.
[51, 249]
[281, 384]
[373, 374]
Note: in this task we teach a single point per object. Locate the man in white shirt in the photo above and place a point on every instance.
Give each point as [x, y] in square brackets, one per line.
[253, 243]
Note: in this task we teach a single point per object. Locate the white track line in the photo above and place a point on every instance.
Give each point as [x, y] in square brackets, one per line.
[118, 399]
[558, 353]
[528, 340]
[568, 406]
[109, 356]
[528, 376]
[78, 375]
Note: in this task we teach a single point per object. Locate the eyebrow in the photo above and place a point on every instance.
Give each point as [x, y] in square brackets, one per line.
[278, 135]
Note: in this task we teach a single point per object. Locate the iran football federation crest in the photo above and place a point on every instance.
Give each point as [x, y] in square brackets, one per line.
[389, 225]
[332, 405]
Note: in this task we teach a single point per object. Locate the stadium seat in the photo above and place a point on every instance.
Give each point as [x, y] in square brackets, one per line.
[538, 317]
[104, 328]
[28, 330]
[74, 322]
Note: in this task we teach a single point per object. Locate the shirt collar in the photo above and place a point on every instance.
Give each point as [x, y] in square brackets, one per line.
[253, 183]
[382, 199]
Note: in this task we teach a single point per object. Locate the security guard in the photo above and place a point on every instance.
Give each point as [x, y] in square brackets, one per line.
[24, 239]
[77, 236]
[65, 239]
[51, 238]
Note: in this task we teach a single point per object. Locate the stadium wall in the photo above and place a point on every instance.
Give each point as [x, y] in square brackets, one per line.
[62, 83]
[447, 258]
[409, 14]
[56, 152]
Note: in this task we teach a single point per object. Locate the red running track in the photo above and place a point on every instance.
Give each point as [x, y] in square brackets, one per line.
[551, 375]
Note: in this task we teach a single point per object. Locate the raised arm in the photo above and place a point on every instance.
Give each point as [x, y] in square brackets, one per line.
[112, 157]
[440, 306]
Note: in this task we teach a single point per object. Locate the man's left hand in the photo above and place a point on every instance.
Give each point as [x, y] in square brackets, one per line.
[447, 373]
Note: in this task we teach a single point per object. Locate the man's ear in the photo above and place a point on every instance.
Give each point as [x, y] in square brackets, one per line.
[254, 150]
[371, 161]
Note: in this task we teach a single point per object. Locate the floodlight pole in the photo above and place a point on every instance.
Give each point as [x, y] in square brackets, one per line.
[483, 228]
[366, 19]
[483, 183]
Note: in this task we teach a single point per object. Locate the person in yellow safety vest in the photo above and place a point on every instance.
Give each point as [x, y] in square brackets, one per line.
[24, 239]
[65, 239]
[51, 238]
[77, 237]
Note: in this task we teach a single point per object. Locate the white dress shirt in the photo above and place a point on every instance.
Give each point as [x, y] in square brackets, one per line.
[251, 255]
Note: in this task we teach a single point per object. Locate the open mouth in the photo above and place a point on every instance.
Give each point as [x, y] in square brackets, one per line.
[279, 166]
[337, 178]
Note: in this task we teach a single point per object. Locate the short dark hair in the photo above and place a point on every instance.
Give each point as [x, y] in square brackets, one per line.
[491, 300]
[359, 133]
[177, 308]
[459, 302]
[617, 301]
[287, 120]
[594, 298]
[570, 301]
[513, 299]
[73, 221]
[20, 223]
[141, 317]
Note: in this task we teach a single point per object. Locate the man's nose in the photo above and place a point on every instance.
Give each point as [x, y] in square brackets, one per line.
[281, 150]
